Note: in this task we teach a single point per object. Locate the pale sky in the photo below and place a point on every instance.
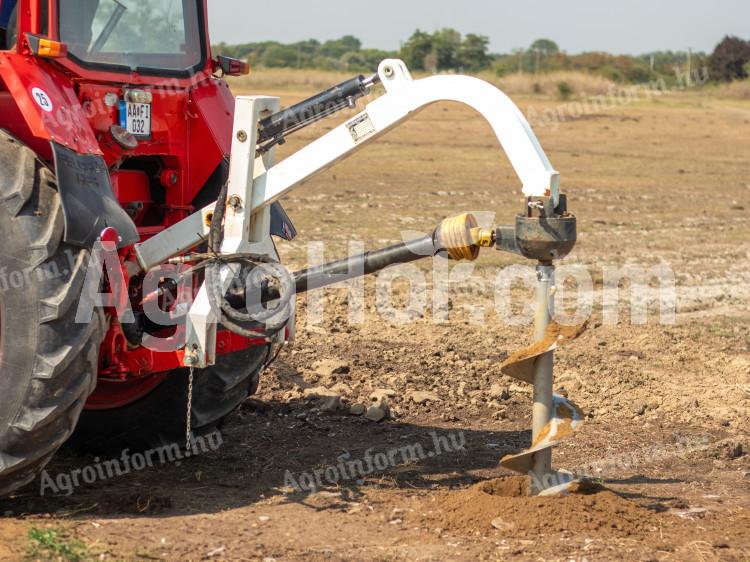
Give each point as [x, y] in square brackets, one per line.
[622, 26]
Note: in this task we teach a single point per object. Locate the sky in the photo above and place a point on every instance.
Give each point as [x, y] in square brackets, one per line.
[622, 27]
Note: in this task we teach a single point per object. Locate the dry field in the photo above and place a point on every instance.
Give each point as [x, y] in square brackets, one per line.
[653, 182]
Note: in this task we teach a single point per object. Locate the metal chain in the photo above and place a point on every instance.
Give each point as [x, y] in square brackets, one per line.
[189, 421]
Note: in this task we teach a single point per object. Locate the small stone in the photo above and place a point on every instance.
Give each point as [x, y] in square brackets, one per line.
[500, 392]
[378, 411]
[421, 397]
[291, 396]
[501, 414]
[264, 518]
[734, 451]
[341, 389]
[382, 393]
[319, 392]
[638, 407]
[330, 367]
[502, 525]
[332, 405]
[357, 409]
[520, 389]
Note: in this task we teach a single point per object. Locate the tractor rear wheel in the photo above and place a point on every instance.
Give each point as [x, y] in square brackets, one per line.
[48, 362]
[159, 419]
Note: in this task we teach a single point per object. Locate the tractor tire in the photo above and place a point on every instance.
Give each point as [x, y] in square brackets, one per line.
[159, 419]
[48, 362]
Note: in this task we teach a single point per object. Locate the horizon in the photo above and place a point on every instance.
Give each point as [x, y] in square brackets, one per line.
[628, 29]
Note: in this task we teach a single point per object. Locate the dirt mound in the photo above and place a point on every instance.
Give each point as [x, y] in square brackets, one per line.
[505, 504]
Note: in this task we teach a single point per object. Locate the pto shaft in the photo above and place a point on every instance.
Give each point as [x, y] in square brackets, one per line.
[457, 238]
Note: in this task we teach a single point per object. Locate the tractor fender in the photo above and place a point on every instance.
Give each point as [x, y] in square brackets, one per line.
[89, 205]
[47, 103]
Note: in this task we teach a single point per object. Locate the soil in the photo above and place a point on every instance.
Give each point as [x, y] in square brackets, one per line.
[667, 404]
[504, 504]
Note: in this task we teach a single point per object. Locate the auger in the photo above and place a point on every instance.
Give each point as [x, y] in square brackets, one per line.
[130, 157]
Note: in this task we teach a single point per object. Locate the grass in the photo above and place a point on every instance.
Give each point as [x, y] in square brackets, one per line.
[737, 90]
[290, 79]
[560, 85]
[287, 79]
[578, 83]
[54, 544]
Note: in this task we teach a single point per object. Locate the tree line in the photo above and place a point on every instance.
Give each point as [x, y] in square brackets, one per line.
[447, 50]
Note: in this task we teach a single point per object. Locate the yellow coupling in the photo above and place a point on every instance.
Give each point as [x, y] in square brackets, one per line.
[461, 237]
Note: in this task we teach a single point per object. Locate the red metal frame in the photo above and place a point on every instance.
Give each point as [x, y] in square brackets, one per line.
[191, 135]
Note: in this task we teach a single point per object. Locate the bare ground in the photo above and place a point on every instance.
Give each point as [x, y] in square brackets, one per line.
[666, 434]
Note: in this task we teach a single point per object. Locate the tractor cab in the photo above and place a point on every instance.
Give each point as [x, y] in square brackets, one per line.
[130, 80]
[165, 37]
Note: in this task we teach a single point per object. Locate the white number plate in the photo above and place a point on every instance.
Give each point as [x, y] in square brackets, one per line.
[138, 119]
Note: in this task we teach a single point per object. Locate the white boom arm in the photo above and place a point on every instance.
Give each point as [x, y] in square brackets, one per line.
[255, 183]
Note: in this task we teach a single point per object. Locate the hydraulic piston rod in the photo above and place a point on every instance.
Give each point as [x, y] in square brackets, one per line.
[274, 129]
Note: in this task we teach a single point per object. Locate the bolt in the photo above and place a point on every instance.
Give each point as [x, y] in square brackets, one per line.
[235, 201]
[388, 71]
[190, 359]
[242, 136]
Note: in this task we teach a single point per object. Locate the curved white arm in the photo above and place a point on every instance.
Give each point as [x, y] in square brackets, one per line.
[404, 98]
[537, 175]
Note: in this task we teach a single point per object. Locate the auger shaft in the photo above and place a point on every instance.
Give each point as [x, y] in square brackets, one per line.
[543, 409]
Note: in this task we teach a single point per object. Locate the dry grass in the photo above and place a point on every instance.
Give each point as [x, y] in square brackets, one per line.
[736, 90]
[287, 79]
[581, 84]
[265, 79]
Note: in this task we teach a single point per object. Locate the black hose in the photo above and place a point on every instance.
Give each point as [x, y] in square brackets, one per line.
[230, 317]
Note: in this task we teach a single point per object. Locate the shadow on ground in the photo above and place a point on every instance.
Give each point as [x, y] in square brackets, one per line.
[266, 446]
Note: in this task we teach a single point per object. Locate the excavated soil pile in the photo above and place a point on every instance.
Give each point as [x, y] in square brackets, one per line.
[506, 505]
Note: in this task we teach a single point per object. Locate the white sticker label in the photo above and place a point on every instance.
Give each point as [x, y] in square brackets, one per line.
[42, 99]
[361, 127]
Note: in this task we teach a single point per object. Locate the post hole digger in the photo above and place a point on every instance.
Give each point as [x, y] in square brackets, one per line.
[119, 133]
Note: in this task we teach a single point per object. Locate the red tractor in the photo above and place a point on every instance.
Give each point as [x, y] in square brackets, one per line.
[124, 158]
[114, 119]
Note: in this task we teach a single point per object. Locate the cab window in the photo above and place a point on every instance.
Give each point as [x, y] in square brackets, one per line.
[136, 34]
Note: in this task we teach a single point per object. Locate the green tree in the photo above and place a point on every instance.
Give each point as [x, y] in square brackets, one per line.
[365, 60]
[473, 53]
[279, 56]
[337, 48]
[447, 43]
[546, 47]
[728, 60]
[416, 49]
[542, 49]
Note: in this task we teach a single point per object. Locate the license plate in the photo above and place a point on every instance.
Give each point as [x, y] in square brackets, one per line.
[138, 119]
